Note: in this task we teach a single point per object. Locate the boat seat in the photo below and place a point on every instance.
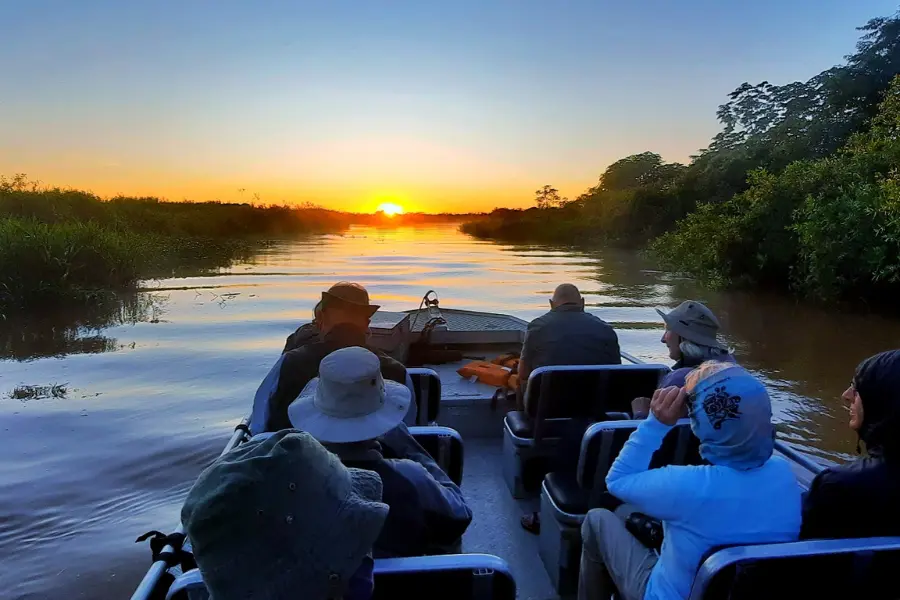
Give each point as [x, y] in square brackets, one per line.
[848, 568]
[567, 496]
[522, 426]
[531, 437]
[458, 576]
[427, 387]
[445, 445]
[566, 493]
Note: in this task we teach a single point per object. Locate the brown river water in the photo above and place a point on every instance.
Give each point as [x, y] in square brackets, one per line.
[153, 386]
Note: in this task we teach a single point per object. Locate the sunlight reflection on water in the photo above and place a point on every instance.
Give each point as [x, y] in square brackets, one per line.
[156, 382]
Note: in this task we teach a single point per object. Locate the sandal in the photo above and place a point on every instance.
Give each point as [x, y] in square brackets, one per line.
[531, 523]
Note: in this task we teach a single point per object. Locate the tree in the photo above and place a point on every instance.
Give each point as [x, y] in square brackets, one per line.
[547, 197]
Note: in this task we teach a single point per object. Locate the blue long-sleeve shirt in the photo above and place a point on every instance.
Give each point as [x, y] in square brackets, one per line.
[702, 506]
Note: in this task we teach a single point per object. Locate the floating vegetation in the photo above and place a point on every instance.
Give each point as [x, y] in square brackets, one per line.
[39, 392]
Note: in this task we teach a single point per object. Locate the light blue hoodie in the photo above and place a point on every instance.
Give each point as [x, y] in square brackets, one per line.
[712, 505]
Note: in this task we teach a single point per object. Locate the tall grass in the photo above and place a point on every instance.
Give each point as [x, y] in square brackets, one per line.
[59, 245]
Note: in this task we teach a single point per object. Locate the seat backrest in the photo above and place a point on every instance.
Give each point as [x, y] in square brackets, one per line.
[603, 441]
[850, 568]
[445, 446]
[427, 386]
[457, 576]
[588, 391]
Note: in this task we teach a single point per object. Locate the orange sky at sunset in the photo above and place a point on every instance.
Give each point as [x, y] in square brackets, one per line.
[435, 106]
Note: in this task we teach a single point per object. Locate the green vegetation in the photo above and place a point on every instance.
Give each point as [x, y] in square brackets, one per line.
[64, 245]
[798, 191]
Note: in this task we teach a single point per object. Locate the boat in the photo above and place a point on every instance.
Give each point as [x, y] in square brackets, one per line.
[465, 422]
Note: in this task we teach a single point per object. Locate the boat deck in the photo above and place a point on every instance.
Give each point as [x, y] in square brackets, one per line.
[495, 527]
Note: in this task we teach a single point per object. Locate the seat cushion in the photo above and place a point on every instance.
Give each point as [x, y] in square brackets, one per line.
[564, 490]
[520, 424]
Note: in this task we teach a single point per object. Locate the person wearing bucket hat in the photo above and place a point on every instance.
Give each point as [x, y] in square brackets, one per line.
[727, 501]
[281, 518]
[343, 321]
[861, 498]
[357, 415]
[691, 338]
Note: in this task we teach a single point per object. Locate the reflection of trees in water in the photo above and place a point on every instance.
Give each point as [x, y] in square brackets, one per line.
[76, 329]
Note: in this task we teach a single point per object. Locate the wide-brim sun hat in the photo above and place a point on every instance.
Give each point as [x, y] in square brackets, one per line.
[349, 401]
[694, 322]
[281, 518]
[349, 295]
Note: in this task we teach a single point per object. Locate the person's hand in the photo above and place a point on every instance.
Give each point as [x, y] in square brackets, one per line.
[640, 407]
[668, 404]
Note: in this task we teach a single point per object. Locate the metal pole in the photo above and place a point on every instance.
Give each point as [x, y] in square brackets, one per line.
[148, 583]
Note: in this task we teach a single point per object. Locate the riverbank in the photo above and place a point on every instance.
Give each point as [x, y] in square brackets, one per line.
[798, 192]
[60, 245]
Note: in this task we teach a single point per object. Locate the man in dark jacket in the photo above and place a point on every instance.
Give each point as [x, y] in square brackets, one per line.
[344, 322]
[567, 335]
[861, 498]
[306, 333]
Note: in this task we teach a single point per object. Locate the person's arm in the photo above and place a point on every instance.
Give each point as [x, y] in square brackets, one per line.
[661, 493]
[295, 371]
[526, 364]
[259, 416]
[447, 514]
[824, 508]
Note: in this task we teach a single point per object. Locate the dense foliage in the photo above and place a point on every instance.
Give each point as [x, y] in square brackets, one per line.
[797, 191]
[65, 245]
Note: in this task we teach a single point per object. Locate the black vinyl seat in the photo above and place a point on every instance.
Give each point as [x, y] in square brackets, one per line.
[560, 403]
[566, 496]
[586, 392]
[600, 446]
[842, 568]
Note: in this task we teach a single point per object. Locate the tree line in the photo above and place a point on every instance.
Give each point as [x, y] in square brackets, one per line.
[799, 190]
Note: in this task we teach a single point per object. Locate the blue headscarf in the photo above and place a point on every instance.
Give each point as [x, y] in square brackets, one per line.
[731, 414]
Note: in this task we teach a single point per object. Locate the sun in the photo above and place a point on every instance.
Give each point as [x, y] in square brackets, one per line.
[390, 209]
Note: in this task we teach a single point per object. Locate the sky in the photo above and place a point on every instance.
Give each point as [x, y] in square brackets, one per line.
[439, 106]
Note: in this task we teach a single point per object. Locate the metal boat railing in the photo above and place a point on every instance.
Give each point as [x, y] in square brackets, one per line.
[145, 589]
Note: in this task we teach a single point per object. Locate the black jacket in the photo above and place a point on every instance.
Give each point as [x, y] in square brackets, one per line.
[305, 334]
[862, 498]
[301, 365]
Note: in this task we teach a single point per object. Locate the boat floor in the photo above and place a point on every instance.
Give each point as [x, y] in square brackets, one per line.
[495, 527]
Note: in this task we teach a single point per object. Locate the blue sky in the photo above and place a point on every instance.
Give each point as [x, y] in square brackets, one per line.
[437, 105]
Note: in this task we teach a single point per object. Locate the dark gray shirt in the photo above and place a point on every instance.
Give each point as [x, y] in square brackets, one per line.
[567, 335]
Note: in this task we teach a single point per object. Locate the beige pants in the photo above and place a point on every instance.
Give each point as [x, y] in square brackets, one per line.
[611, 558]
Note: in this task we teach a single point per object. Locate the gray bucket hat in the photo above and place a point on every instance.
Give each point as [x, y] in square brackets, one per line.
[281, 518]
[349, 401]
[694, 322]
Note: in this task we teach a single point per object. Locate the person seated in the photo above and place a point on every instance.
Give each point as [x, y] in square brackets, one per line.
[744, 495]
[567, 335]
[263, 522]
[343, 322]
[307, 333]
[358, 415]
[690, 336]
[860, 499]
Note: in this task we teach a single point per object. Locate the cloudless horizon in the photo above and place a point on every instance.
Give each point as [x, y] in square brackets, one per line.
[435, 107]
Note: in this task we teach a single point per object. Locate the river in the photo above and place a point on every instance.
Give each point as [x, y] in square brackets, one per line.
[151, 387]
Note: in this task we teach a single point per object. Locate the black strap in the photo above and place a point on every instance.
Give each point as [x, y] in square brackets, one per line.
[159, 540]
[243, 427]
